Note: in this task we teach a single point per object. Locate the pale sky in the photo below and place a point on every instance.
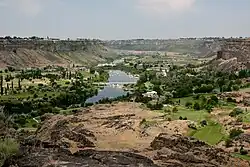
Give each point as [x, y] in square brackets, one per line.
[125, 19]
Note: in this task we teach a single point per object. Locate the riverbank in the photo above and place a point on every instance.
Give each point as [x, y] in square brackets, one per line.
[115, 86]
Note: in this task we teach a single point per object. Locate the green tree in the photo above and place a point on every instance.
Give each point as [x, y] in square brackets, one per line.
[12, 85]
[175, 110]
[19, 84]
[197, 106]
[189, 104]
[236, 87]
[243, 151]
[158, 89]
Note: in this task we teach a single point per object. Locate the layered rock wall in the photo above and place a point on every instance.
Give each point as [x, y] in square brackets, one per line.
[22, 53]
[234, 55]
[46, 45]
[239, 48]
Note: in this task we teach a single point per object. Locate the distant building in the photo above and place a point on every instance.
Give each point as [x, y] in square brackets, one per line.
[106, 64]
[152, 94]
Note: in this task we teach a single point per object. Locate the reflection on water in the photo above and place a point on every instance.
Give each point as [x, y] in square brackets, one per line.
[113, 92]
[120, 76]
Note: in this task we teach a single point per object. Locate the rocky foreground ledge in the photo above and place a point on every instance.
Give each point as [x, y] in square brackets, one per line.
[165, 151]
[112, 136]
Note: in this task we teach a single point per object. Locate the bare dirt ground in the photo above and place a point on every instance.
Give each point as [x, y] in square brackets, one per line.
[222, 116]
[117, 127]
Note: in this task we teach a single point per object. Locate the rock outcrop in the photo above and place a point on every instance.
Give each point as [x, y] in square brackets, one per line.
[114, 135]
[180, 151]
[233, 56]
[38, 157]
[58, 131]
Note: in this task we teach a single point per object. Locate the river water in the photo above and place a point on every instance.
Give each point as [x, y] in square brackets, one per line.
[117, 77]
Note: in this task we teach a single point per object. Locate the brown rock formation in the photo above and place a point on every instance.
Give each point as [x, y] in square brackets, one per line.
[176, 150]
[58, 131]
[234, 55]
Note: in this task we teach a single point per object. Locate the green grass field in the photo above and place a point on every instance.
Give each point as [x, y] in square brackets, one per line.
[184, 100]
[244, 157]
[211, 134]
[191, 114]
[244, 90]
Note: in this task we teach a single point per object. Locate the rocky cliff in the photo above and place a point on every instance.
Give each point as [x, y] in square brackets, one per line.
[37, 52]
[233, 56]
[194, 47]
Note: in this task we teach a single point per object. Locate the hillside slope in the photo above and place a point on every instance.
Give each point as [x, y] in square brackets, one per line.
[233, 56]
[32, 53]
[194, 47]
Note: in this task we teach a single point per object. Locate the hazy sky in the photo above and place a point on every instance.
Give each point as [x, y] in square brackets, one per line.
[124, 19]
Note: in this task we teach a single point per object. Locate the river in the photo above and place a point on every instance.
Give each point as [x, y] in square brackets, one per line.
[115, 76]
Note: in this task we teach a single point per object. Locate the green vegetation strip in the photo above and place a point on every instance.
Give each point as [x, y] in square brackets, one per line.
[210, 134]
[190, 114]
[244, 157]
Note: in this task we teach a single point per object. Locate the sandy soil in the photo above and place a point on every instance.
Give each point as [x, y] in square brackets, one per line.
[117, 127]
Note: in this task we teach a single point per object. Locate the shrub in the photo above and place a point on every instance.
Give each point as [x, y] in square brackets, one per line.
[203, 123]
[243, 151]
[169, 119]
[230, 99]
[8, 148]
[67, 83]
[235, 112]
[192, 126]
[214, 99]
[40, 85]
[175, 109]
[185, 118]
[154, 105]
[236, 150]
[234, 133]
[196, 97]
[180, 118]
[143, 121]
[35, 96]
[236, 87]
[197, 106]
[239, 119]
[189, 104]
[167, 110]
[228, 143]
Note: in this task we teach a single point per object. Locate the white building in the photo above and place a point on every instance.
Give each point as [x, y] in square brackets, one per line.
[152, 94]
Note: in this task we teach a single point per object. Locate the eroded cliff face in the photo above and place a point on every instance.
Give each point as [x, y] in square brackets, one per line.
[37, 53]
[234, 55]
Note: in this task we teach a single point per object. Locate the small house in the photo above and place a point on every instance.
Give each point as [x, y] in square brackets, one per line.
[152, 94]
